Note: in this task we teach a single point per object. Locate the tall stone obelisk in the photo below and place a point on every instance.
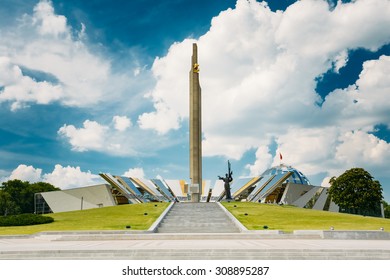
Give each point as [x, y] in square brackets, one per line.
[195, 128]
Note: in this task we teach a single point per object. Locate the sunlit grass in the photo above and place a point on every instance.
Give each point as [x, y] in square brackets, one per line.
[289, 218]
[275, 217]
[107, 218]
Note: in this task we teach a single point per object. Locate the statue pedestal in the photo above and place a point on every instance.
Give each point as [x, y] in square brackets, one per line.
[195, 197]
[195, 193]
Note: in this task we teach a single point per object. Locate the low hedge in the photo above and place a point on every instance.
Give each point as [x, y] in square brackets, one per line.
[24, 220]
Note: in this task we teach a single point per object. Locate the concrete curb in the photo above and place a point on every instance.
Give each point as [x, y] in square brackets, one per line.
[178, 236]
[356, 234]
[200, 254]
[344, 234]
[18, 236]
[154, 226]
[236, 222]
[249, 234]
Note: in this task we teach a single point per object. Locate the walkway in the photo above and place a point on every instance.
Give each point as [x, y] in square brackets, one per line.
[188, 246]
[197, 218]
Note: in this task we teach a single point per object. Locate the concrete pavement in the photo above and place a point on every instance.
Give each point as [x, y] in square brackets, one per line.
[172, 246]
[184, 244]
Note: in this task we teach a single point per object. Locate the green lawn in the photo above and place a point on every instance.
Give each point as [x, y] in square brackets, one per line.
[107, 218]
[285, 218]
[289, 218]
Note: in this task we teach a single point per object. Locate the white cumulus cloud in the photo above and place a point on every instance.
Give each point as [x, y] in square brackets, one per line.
[118, 137]
[71, 177]
[26, 173]
[23, 89]
[137, 172]
[61, 177]
[259, 71]
[91, 136]
[360, 148]
[47, 21]
[263, 161]
[365, 103]
[121, 123]
[69, 70]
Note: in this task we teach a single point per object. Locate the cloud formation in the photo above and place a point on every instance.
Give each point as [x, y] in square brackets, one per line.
[137, 172]
[23, 89]
[121, 123]
[47, 21]
[71, 177]
[26, 173]
[44, 60]
[117, 137]
[61, 177]
[259, 71]
[90, 137]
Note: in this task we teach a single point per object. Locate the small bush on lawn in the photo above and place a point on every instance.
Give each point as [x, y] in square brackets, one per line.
[24, 220]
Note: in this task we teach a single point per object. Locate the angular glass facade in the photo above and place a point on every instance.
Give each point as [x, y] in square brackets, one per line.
[296, 177]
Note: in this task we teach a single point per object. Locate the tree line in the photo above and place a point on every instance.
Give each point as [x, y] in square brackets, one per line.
[17, 197]
[356, 192]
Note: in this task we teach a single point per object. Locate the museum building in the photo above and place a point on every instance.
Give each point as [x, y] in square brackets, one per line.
[281, 184]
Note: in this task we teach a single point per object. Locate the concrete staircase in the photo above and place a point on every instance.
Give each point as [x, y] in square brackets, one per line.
[197, 218]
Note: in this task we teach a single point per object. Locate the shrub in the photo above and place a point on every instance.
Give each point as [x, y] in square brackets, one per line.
[24, 220]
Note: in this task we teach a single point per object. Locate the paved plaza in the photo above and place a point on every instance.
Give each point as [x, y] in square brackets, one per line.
[187, 246]
[179, 234]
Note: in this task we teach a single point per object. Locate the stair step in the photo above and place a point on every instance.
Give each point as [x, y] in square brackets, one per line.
[196, 218]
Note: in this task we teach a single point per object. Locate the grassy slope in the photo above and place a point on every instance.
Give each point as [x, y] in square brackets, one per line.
[288, 218]
[285, 218]
[107, 218]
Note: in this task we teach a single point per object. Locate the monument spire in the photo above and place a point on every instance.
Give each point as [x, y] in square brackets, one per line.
[195, 128]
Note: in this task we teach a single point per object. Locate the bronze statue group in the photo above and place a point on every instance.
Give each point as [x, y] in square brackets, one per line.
[227, 180]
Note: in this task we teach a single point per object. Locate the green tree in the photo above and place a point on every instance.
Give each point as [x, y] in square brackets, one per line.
[356, 192]
[386, 207]
[16, 190]
[21, 194]
[32, 189]
[7, 205]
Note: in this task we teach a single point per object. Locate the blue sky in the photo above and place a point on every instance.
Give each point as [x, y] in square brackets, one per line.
[102, 86]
